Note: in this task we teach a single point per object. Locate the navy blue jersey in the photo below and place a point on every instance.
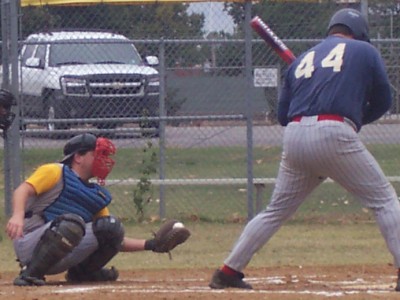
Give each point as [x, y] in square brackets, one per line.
[339, 76]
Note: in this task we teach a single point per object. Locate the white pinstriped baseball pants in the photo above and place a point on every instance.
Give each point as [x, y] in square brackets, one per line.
[312, 151]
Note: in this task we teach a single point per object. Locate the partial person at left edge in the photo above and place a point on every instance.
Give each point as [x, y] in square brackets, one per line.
[61, 221]
[7, 100]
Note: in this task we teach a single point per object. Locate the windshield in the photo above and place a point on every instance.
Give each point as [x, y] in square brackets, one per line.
[93, 53]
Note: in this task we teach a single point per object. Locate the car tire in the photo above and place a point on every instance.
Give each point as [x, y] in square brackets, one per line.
[53, 113]
[150, 125]
[146, 124]
[106, 125]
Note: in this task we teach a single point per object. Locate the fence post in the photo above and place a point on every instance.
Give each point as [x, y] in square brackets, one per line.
[12, 164]
[260, 187]
[364, 8]
[249, 110]
[14, 129]
[5, 28]
[162, 114]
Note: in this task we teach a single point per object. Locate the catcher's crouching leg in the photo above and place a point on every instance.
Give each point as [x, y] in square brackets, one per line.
[63, 235]
[171, 234]
[109, 232]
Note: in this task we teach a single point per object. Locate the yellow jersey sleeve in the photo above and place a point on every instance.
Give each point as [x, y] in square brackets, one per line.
[45, 177]
[102, 213]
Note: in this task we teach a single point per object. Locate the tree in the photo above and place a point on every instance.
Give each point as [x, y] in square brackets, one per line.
[37, 19]
[288, 19]
[135, 21]
[309, 19]
[138, 22]
[384, 19]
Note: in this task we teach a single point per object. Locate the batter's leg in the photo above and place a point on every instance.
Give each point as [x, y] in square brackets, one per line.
[361, 175]
[291, 188]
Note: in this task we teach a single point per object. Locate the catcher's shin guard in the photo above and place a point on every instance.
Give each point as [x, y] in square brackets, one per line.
[63, 235]
[109, 232]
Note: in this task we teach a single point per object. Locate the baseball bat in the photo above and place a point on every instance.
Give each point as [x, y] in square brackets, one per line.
[266, 33]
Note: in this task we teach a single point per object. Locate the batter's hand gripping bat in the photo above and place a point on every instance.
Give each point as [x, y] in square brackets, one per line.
[272, 39]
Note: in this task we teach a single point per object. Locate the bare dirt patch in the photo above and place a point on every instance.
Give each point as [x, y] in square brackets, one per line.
[349, 282]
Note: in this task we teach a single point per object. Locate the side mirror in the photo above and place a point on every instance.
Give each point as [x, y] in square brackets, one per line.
[33, 62]
[152, 61]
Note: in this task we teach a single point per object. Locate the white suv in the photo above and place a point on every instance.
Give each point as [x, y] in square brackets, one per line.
[87, 74]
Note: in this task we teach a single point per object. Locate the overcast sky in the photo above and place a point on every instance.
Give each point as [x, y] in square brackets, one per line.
[216, 18]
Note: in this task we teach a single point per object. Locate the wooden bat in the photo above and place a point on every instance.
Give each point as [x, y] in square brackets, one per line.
[272, 39]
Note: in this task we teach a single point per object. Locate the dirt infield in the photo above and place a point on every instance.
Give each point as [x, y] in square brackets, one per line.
[355, 282]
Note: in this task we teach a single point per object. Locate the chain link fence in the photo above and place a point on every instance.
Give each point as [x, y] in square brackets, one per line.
[185, 90]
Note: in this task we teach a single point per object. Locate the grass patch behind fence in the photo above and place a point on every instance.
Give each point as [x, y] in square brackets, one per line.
[227, 203]
[216, 162]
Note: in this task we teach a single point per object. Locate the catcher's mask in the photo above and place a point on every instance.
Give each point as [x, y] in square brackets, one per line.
[103, 163]
[6, 115]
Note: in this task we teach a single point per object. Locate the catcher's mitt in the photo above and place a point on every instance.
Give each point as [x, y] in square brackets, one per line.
[171, 234]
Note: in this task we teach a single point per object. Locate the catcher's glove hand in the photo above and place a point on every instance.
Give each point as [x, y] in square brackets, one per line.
[171, 234]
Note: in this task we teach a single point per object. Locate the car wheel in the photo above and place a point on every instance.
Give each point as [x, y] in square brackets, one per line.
[152, 129]
[106, 125]
[146, 124]
[53, 114]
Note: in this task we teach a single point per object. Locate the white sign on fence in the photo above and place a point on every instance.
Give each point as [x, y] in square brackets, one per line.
[265, 77]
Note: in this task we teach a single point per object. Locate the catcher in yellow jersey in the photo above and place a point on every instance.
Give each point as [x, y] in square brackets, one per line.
[61, 222]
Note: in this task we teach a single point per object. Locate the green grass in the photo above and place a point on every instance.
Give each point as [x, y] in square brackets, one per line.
[330, 227]
[220, 203]
[388, 158]
[218, 162]
[294, 244]
[180, 163]
[210, 243]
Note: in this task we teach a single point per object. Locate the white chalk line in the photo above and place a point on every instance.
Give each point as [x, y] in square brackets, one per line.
[334, 288]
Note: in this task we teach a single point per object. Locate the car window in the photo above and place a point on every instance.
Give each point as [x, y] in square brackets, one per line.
[94, 53]
[28, 52]
[41, 52]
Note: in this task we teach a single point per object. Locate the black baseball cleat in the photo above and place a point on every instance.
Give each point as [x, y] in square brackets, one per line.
[397, 289]
[220, 280]
[26, 280]
[74, 275]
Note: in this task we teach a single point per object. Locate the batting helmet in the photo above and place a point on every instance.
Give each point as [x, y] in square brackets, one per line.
[6, 115]
[354, 20]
